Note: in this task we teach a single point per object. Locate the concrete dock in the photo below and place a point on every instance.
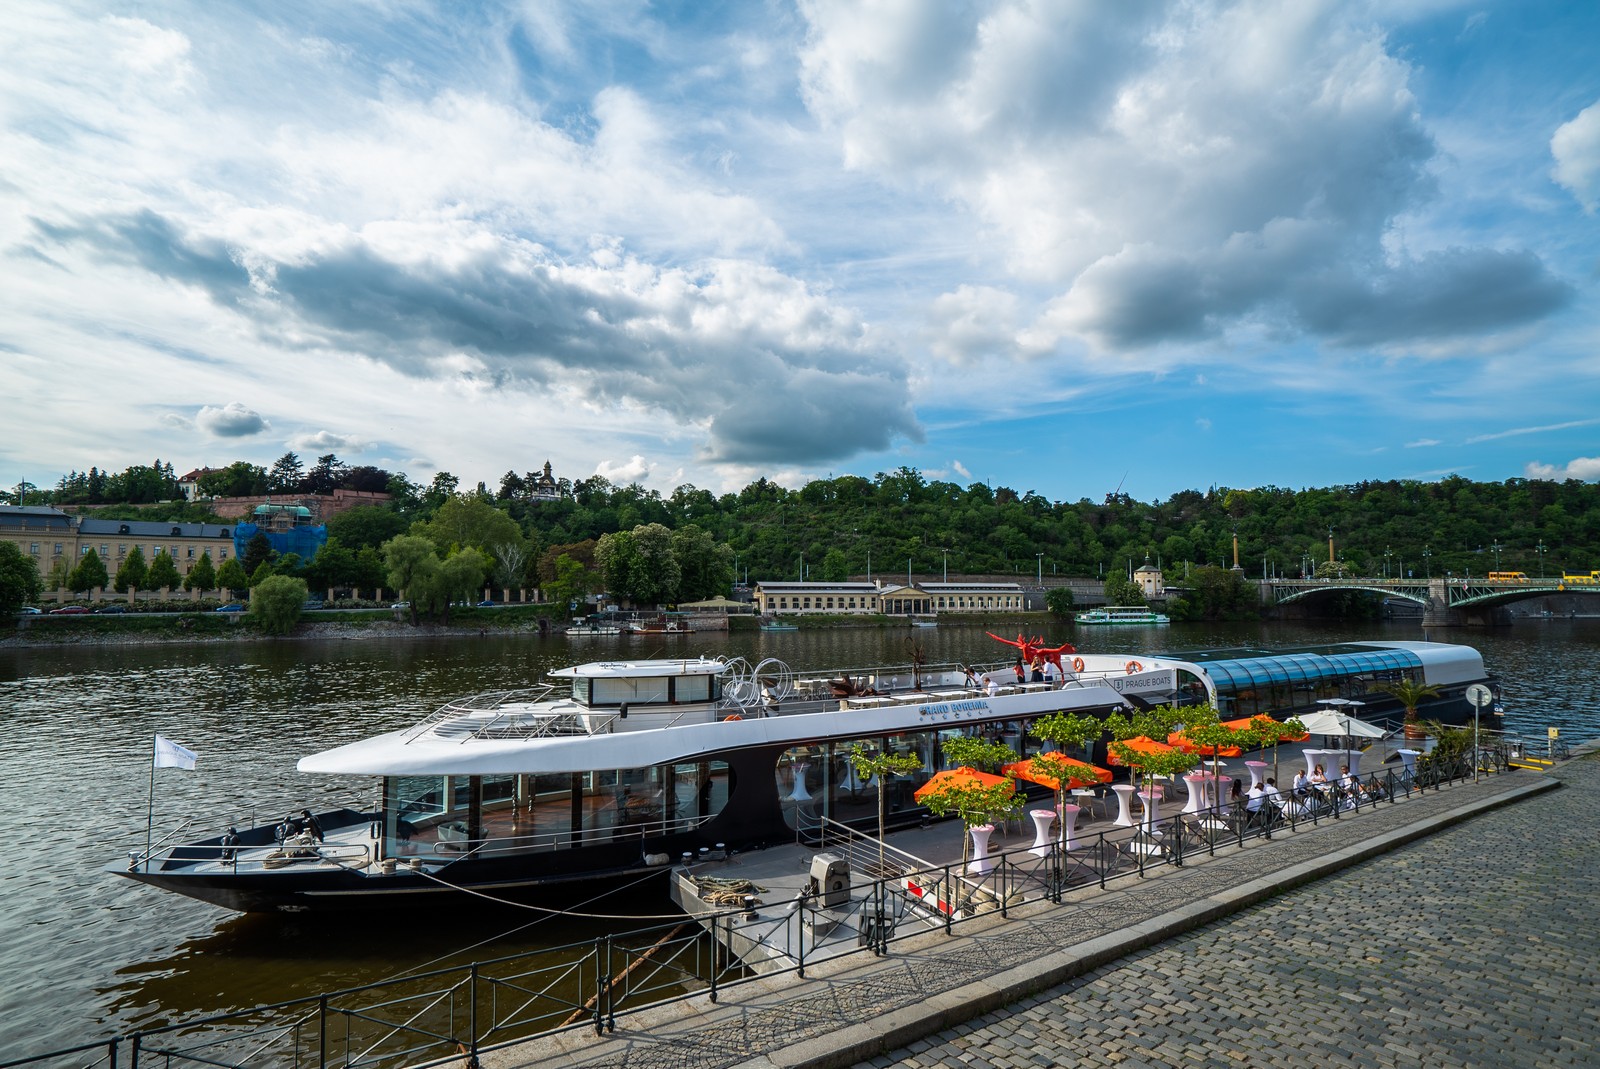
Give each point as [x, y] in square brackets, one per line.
[1455, 929]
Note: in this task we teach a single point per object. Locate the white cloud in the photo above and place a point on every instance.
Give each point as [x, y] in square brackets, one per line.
[232, 420]
[961, 470]
[330, 442]
[633, 470]
[1422, 443]
[1576, 148]
[1586, 469]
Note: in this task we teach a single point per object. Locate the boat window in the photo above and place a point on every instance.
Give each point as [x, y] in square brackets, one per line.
[649, 690]
[692, 688]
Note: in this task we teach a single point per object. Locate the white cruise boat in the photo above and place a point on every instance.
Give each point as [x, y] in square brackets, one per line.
[1121, 614]
[618, 768]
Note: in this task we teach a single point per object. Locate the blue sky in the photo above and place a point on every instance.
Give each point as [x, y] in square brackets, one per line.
[1061, 246]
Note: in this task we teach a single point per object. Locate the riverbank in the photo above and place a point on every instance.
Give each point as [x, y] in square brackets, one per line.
[45, 631]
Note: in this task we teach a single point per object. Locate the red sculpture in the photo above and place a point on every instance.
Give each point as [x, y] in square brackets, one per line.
[1033, 648]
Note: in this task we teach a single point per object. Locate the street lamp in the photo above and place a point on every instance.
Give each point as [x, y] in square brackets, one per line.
[1040, 557]
[946, 553]
[1540, 548]
[1496, 547]
[1427, 563]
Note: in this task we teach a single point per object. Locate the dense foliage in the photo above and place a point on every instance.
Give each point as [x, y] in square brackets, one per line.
[19, 579]
[899, 522]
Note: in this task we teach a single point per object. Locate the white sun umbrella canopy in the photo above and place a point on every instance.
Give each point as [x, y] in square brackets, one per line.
[1325, 722]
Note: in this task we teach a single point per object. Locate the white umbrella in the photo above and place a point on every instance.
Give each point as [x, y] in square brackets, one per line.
[1323, 722]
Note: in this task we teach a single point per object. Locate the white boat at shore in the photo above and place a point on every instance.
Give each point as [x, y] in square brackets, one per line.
[638, 762]
[1121, 614]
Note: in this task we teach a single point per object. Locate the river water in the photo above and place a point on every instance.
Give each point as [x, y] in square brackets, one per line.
[85, 953]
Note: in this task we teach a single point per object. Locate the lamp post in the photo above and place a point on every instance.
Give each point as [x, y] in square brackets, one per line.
[1540, 548]
[946, 553]
[1040, 557]
[1386, 556]
[1427, 562]
[1496, 547]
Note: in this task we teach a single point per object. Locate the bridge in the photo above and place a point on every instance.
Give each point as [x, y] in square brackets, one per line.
[1446, 602]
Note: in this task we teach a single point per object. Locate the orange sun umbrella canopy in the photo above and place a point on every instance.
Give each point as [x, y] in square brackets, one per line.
[1178, 740]
[1140, 744]
[958, 777]
[1081, 774]
[1240, 725]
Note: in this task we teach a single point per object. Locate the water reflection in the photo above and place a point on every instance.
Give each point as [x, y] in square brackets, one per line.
[75, 779]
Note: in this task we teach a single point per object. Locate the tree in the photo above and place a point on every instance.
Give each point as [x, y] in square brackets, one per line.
[571, 581]
[59, 570]
[1220, 593]
[257, 551]
[1064, 730]
[19, 579]
[1120, 590]
[232, 577]
[639, 565]
[325, 475]
[365, 525]
[239, 479]
[969, 751]
[131, 572]
[470, 521]
[974, 803]
[90, 574]
[163, 573]
[705, 566]
[412, 568]
[510, 564]
[461, 578]
[334, 565]
[202, 575]
[286, 474]
[1059, 602]
[263, 572]
[882, 764]
[275, 603]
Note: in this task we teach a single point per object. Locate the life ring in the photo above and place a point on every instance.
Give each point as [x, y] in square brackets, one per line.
[735, 716]
[1134, 666]
[1077, 664]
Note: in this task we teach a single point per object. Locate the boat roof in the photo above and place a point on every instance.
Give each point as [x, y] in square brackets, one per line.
[644, 668]
[1244, 666]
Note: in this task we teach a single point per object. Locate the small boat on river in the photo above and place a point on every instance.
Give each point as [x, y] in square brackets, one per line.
[615, 769]
[1120, 614]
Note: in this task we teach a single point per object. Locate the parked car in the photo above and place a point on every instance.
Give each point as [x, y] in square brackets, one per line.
[311, 603]
[70, 610]
[112, 608]
[401, 605]
[234, 607]
[29, 610]
[486, 603]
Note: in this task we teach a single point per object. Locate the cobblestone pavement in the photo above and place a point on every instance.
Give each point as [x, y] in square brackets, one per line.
[1359, 968]
[1476, 946]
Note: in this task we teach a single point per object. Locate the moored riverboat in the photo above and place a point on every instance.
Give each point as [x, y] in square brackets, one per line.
[616, 769]
[1113, 615]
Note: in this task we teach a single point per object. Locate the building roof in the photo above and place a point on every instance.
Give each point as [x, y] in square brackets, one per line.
[153, 529]
[970, 588]
[34, 518]
[813, 588]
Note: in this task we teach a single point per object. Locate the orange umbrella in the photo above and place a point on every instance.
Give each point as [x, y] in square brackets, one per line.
[1240, 725]
[1140, 744]
[958, 777]
[1092, 774]
[1178, 740]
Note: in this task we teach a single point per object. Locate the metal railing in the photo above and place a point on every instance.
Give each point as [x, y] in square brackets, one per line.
[438, 1017]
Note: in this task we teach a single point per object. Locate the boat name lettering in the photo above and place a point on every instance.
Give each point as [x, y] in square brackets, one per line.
[1147, 681]
[958, 708]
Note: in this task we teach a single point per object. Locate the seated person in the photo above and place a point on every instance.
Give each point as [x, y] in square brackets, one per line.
[312, 825]
[1302, 784]
[1318, 777]
[288, 829]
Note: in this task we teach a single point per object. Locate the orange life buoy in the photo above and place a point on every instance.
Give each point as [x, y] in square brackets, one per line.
[1077, 664]
[1134, 666]
[735, 716]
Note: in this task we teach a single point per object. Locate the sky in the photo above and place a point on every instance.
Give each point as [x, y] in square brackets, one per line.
[1067, 246]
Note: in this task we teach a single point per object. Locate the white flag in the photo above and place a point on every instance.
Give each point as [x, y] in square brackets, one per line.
[170, 755]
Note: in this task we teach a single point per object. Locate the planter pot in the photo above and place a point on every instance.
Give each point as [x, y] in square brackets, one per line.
[1414, 730]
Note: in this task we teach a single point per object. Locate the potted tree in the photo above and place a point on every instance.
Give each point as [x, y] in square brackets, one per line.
[977, 805]
[1063, 730]
[1411, 693]
[882, 764]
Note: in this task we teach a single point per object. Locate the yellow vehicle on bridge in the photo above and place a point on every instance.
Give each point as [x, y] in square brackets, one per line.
[1581, 578]
[1508, 577]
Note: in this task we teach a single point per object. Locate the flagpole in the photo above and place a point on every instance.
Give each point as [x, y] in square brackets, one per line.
[150, 814]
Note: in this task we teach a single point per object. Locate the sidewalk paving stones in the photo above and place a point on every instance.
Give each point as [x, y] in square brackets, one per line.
[1469, 941]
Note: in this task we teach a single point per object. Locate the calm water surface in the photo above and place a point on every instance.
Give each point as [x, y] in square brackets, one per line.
[84, 953]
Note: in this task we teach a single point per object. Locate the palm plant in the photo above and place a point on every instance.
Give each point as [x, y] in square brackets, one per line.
[1410, 693]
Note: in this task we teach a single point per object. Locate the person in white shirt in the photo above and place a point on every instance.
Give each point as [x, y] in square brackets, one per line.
[1302, 784]
[990, 687]
[1050, 673]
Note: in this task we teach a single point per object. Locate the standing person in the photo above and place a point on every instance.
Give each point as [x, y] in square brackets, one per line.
[1050, 673]
[1036, 671]
[1020, 671]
